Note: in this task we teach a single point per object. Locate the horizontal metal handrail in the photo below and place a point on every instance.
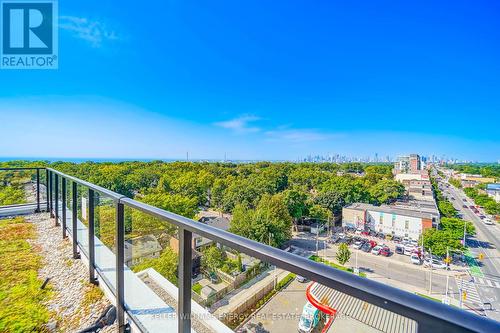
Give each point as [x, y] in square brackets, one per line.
[22, 168]
[430, 315]
[97, 188]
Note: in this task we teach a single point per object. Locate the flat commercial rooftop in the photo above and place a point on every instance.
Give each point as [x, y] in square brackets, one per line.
[413, 211]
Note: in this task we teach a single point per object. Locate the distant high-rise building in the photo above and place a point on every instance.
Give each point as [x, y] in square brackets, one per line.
[408, 164]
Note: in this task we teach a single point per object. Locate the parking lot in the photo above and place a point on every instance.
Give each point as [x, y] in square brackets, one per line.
[398, 249]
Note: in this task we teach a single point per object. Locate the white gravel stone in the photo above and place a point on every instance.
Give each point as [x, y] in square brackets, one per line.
[68, 279]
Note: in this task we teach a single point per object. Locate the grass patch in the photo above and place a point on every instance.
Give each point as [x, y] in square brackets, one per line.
[197, 288]
[428, 297]
[93, 294]
[22, 301]
[334, 265]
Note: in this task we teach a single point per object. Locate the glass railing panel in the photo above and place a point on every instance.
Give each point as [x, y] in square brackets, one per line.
[104, 231]
[151, 270]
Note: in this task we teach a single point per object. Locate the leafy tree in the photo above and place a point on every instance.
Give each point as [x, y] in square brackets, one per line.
[295, 202]
[175, 203]
[166, 265]
[10, 196]
[272, 223]
[386, 191]
[343, 254]
[439, 241]
[333, 201]
[320, 213]
[212, 259]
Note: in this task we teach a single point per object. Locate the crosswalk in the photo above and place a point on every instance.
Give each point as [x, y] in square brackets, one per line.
[487, 282]
[471, 294]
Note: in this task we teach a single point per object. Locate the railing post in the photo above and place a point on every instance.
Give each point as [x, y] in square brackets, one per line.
[74, 218]
[50, 195]
[56, 198]
[47, 189]
[64, 204]
[185, 275]
[37, 190]
[92, 277]
[120, 262]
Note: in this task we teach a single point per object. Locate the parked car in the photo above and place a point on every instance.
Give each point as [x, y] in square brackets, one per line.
[408, 250]
[358, 231]
[488, 222]
[435, 263]
[365, 233]
[388, 237]
[465, 206]
[309, 319]
[335, 238]
[386, 252]
[399, 249]
[376, 250]
[301, 279]
[358, 244]
[415, 259]
[366, 247]
[465, 200]
[372, 233]
[482, 217]
[397, 239]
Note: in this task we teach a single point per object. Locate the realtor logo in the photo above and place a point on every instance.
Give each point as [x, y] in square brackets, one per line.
[29, 34]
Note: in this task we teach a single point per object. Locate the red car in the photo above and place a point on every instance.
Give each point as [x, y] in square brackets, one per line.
[365, 233]
[373, 244]
[385, 252]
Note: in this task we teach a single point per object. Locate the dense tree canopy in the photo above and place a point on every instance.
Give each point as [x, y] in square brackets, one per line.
[264, 197]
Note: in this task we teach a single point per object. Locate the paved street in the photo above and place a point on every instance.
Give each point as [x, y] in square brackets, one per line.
[486, 241]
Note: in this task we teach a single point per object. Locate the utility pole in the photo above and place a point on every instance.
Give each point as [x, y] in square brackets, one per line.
[465, 230]
[317, 238]
[461, 290]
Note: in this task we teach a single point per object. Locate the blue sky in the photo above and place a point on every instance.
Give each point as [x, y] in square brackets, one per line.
[262, 80]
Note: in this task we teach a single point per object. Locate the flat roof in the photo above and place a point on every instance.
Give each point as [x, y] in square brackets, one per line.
[411, 211]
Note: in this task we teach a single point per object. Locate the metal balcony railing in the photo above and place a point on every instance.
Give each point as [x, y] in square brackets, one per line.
[429, 315]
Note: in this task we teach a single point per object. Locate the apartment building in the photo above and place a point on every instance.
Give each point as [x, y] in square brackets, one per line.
[404, 221]
[493, 190]
[408, 164]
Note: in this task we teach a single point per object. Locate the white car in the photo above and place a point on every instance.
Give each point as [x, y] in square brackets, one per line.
[435, 263]
[415, 259]
[376, 249]
[488, 221]
[358, 231]
[358, 245]
[409, 250]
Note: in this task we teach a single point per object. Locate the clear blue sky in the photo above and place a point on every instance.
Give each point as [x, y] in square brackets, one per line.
[262, 80]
